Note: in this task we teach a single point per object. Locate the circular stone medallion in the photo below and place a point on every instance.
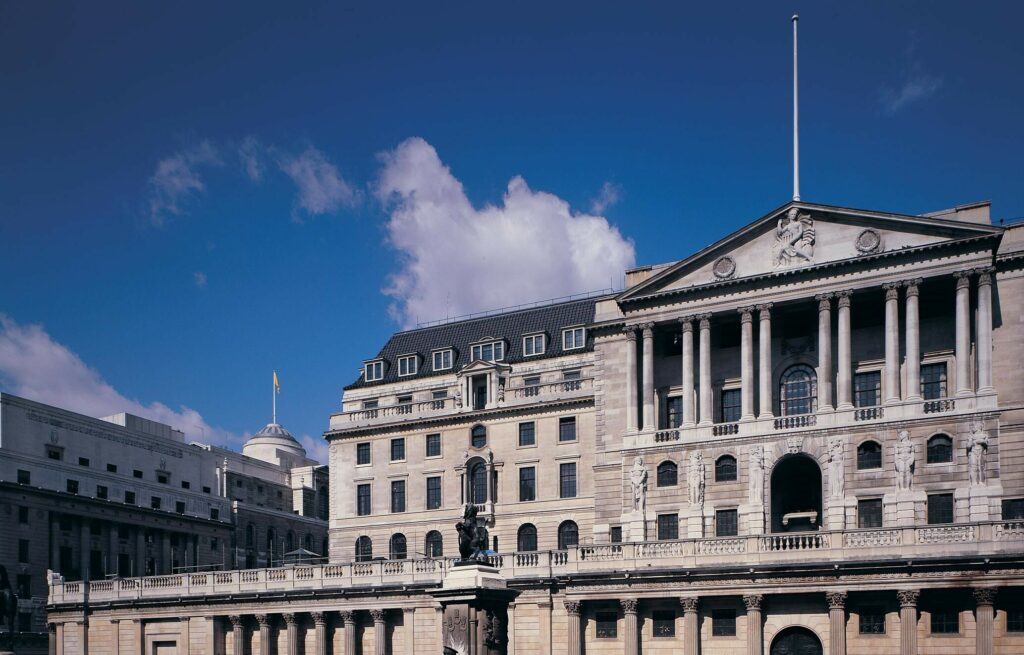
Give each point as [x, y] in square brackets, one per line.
[869, 241]
[724, 267]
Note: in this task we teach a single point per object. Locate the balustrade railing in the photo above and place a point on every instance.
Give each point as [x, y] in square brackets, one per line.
[663, 436]
[720, 429]
[798, 421]
[940, 405]
[868, 413]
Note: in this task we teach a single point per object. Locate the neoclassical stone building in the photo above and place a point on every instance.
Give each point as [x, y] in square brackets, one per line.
[805, 438]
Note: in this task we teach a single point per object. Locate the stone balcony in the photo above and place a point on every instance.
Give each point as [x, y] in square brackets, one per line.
[849, 546]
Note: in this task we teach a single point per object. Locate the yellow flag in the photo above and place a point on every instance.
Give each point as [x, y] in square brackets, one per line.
[277, 385]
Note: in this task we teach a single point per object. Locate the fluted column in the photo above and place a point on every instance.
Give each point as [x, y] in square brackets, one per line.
[572, 610]
[237, 634]
[629, 606]
[687, 325]
[836, 622]
[348, 622]
[691, 626]
[380, 632]
[844, 376]
[892, 342]
[648, 390]
[264, 622]
[824, 351]
[755, 629]
[984, 615]
[963, 333]
[746, 363]
[913, 347]
[293, 633]
[706, 411]
[908, 621]
[320, 632]
[985, 331]
[631, 421]
[764, 359]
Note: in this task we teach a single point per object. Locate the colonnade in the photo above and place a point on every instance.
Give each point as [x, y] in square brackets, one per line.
[291, 623]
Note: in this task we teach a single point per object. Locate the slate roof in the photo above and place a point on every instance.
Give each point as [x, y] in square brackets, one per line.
[460, 335]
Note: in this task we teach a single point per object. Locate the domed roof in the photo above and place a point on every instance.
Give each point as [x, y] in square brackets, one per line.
[275, 430]
[272, 438]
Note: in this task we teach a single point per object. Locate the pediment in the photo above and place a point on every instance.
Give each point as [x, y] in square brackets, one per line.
[482, 366]
[803, 235]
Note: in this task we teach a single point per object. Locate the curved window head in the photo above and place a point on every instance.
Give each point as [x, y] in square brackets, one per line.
[478, 436]
[798, 391]
[725, 469]
[940, 449]
[397, 546]
[668, 474]
[568, 535]
[869, 455]
[526, 539]
[478, 483]
[364, 549]
[434, 544]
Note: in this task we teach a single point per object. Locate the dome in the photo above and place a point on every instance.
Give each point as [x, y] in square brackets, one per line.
[273, 441]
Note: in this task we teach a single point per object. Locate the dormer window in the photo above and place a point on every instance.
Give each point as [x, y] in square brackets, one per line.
[408, 365]
[533, 344]
[492, 351]
[373, 371]
[443, 359]
[574, 338]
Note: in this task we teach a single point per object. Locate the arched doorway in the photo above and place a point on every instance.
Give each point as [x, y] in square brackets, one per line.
[796, 494]
[796, 641]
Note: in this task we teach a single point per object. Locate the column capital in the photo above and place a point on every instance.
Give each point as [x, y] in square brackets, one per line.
[648, 329]
[963, 279]
[687, 323]
[629, 605]
[572, 607]
[765, 310]
[824, 301]
[377, 615]
[892, 290]
[630, 332]
[263, 620]
[689, 603]
[836, 600]
[347, 618]
[985, 275]
[290, 619]
[985, 595]
[746, 314]
[704, 321]
[753, 601]
[908, 597]
[913, 286]
[318, 618]
[844, 297]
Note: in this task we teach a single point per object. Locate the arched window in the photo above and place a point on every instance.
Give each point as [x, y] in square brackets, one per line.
[668, 474]
[526, 540]
[434, 546]
[940, 449]
[478, 436]
[396, 547]
[478, 483]
[798, 391]
[307, 543]
[568, 535]
[289, 542]
[725, 469]
[869, 455]
[364, 549]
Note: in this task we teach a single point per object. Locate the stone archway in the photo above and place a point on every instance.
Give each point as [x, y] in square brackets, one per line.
[796, 494]
[796, 640]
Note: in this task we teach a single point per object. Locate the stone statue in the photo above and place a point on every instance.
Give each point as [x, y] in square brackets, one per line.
[794, 238]
[695, 478]
[757, 474]
[458, 396]
[904, 461]
[977, 448]
[638, 480]
[501, 390]
[472, 537]
[836, 474]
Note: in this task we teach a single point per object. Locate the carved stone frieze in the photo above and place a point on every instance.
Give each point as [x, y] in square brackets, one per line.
[794, 239]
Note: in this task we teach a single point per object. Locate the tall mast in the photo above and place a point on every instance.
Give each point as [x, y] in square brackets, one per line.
[796, 124]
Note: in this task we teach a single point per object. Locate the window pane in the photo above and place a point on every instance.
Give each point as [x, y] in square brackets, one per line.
[869, 455]
[527, 484]
[615, 535]
[397, 450]
[945, 621]
[433, 493]
[363, 453]
[675, 412]
[867, 389]
[478, 437]
[567, 428]
[668, 474]
[1015, 619]
[723, 623]
[664, 623]
[433, 445]
[607, 625]
[363, 500]
[478, 484]
[726, 523]
[940, 449]
[527, 539]
[933, 381]
[798, 391]
[940, 508]
[872, 621]
[869, 513]
[725, 469]
[568, 535]
[567, 480]
[731, 405]
[1013, 509]
[668, 527]
[398, 495]
[527, 434]
[435, 544]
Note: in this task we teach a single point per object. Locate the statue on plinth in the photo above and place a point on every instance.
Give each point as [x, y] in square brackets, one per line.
[904, 461]
[756, 474]
[695, 479]
[977, 448]
[836, 474]
[472, 537]
[638, 481]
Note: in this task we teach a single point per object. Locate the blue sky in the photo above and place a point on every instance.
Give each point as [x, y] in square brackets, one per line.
[194, 194]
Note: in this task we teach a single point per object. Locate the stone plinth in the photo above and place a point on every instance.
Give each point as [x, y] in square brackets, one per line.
[635, 523]
[691, 522]
[838, 511]
[751, 518]
[901, 508]
[979, 503]
[475, 600]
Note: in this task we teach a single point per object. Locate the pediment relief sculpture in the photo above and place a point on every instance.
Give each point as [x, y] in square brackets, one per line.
[794, 239]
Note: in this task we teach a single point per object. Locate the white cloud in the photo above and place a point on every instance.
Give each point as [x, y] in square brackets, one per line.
[35, 366]
[316, 448]
[176, 180]
[917, 83]
[606, 197]
[199, 278]
[321, 188]
[250, 153]
[457, 259]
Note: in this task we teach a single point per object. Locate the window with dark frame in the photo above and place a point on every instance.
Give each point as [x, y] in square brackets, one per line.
[111, 468]
[24, 477]
[23, 515]
[527, 433]
[940, 449]
[433, 445]
[434, 544]
[53, 452]
[872, 621]
[364, 549]
[155, 502]
[397, 496]
[72, 486]
[674, 412]
[442, 360]
[362, 453]
[723, 623]
[129, 498]
[945, 621]
[725, 469]
[1015, 618]
[668, 527]
[731, 405]
[179, 507]
[568, 535]
[664, 623]
[526, 538]
[533, 344]
[869, 455]
[23, 548]
[668, 474]
[933, 381]
[1013, 509]
[798, 391]
[83, 461]
[363, 500]
[397, 449]
[867, 389]
[607, 625]
[101, 492]
[940, 508]
[137, 474]
[478, 436]
[726, 523]
[434, 492]
[869, 513]
[567, 480]
[615, 534]
[527, 484]
[567, 428]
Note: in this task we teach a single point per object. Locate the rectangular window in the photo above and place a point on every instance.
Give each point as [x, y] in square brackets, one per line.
[154, 502]
[567, 480]
[405, 404]
[23, 515]
[24, 585]
[1015, 619]
[1013, 509]
[397, 496]
[945, 621]
[933, 381]
[363, 500]
[214, 514]
[607, 624]
[664, 623]
[867, 389]
[531, 386]
[373, 371]
[185, 484]
[723, 623]
[397, 449]
[179, 507]
[206, 490]
[567, 428]
[940, 508]
[408, 365]
[362, 453]
[434, 493]
[137, 474]
[72, 486]
[23, 551]
[214, 544]
[872, 621]
[129, 498]
[533, 344]
[83, 461]
[53, 452]
[101, 492]
[527, 484]
[434, 445]
[731, 405]
[370, 404]
[111, 468]
[162, 478]
[668, 527]
[869, 513]
[442, 359]
[574, 338]
[615, 534]
[527, 433]
[674, 409]
[726, 524]
[493, 351]
[24, 477]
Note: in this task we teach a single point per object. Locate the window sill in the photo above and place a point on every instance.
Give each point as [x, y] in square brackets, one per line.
[431, 457]
[521, 446]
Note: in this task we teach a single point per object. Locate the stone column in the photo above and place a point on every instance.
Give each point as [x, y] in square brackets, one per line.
[892, 343]
[115, 636]
[409, 629]
[648, 348]
[51, 629]
[237, 634]
[292, 625]
[985, 331]
[963, 333]
[320, 628]
[913, 347]
[706, 408]
[139, 628]
[630, 333]
[844, 377]
[629, 606]
[755, 628]
[984, 614]
[140, 552]
[691, 626]
[83, 547]
[264, 621]
[908, 621]
[55, 543]
[824, 351]
[572, 609]
[836, 622]
[764, 358]
[746, 363]
[380, 632]
[113, 547]
[165, 553]
[348, 622]
[688, 417]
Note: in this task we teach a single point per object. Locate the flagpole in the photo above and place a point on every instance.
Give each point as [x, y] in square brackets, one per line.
[273, 399]
[796, 131]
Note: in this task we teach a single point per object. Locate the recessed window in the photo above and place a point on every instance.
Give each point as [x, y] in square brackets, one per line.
[1015, 619]
[674, 409]
[568, 535]
[940, 508]
[668, 527]
[72, 486]
[24, 477]
[53, 452]
[723, 623]
[615, 534]
[726, 523]
[397, 546]
[527, 484]
[23, 548]
[111, 468]
[668, 474]
[933, 381]
[531, 385]
[373, 371]
[533, 344]
[179, 507]
[206, 490]
[364, 549]
[731, 405]
[526, 538]
[214, 514]
[869, 456]
[567, 428]
[869, 513]
[442, 359]
[872, 621]
[492, 351]
[574, 338]
[527, 434]
[434, 492]
[945, 621]
[137, 474]
[101, 492]
[478, 436]
[371, 404]
[185, 484]
[725, 469]
[664, 623]
[867, 389]
[398, 449]
[433, 443]
[83, 461]
[155, 502]
[362, 453]
[439, 394]
[940, 449]
[1013, 509]
[798, 391]
[408, 365]
[162, 478]
[23, 515]
[567, 480]
[607, 625]
[434, 544]
[363, 500]
[129, 498]
[397, 496]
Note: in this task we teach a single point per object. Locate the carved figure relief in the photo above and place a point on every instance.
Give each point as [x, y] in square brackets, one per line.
[904, 461]
[724, 267]
[695, 479]
[977, 449]
[836, 477]
[757, 474]
[458, 396]
[638, 481]
[455, 633]
[794, 239]
[869, 241]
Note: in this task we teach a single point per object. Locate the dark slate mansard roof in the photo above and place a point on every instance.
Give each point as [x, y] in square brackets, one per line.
[461, 335]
